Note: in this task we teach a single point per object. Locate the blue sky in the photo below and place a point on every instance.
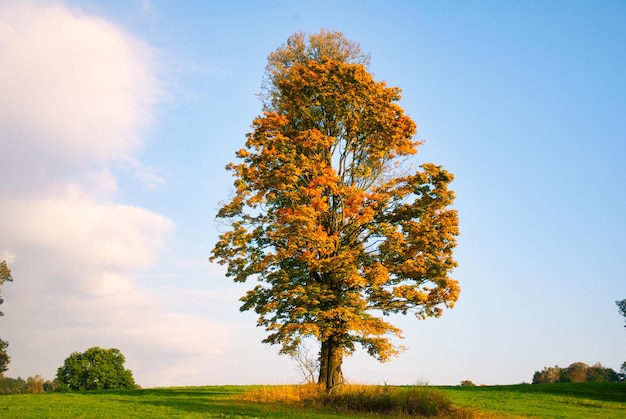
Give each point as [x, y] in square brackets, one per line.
[119, 117]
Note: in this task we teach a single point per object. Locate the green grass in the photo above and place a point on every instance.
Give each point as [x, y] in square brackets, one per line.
[187, 402]
[566, 400]
[561, 400]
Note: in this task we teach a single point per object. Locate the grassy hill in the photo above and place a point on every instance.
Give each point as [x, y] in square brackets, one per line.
[566, 400]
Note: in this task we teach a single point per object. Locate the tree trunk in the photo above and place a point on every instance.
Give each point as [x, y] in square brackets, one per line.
[331, 358]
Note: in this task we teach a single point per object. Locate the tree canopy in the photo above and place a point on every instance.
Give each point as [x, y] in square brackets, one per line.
[327, 217]
[96, 369]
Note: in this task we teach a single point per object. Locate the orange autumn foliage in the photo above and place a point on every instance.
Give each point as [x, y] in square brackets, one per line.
[324, 216]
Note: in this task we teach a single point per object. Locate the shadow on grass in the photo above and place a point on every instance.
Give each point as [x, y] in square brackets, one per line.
[228, 408]
[606, 392]
[213, 400]
[209, 391]
[227, 401]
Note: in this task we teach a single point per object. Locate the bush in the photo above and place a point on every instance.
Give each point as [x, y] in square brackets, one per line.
[95, 369]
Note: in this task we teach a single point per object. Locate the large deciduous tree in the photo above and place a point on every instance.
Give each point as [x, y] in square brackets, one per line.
[96, 369]
[327, 216]
[5, 276]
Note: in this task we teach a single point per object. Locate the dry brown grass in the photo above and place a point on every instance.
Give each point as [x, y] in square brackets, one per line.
[290, 394]
[409, 401]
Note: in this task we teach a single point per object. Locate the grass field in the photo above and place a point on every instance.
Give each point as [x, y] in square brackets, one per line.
[561, 400]
[567, 400]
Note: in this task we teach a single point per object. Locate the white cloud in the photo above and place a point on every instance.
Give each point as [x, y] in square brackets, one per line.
[77, 95]
[109, 236]
[77, 91]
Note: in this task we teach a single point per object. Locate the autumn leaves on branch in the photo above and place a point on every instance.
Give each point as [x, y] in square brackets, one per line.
[327, 218]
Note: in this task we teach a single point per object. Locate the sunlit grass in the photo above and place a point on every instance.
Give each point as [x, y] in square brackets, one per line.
[559, 400]
[563, 400]
[388, 400]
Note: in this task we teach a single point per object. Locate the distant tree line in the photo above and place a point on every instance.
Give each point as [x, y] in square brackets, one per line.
[578, 372]
[34, 384]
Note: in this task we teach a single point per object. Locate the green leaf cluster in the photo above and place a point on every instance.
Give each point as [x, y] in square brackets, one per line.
[96, 369]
